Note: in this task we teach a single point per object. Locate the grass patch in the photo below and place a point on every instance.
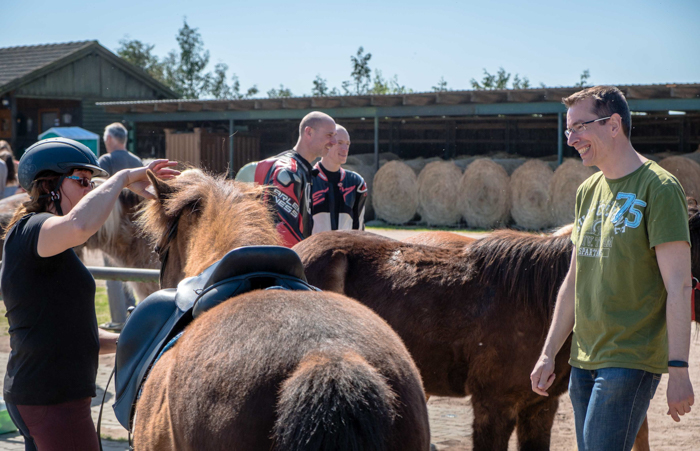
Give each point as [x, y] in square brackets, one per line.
[101, 310]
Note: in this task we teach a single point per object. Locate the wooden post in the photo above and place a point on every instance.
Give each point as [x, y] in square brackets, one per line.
[230, 149]
[376, 141]
[560, 139]
[132, 137]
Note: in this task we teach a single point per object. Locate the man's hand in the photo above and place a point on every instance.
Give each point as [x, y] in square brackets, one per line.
[679, 393]
[542, 376]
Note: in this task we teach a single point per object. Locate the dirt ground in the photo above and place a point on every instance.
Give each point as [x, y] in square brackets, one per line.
[450, 418]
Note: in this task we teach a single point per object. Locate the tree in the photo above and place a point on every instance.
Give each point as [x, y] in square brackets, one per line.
[185, 71]
[139, 54]
[361, 73]
[441, 85]
[379, 85]
[520, 84]
[585, 75]
[236, 89]
[320, 87]
[500, 80]
[281, 92]
[219, 89]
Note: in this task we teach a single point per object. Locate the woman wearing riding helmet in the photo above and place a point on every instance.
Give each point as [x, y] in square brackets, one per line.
[50, 295]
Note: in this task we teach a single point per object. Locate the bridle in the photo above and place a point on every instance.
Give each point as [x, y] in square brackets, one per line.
[163, 247]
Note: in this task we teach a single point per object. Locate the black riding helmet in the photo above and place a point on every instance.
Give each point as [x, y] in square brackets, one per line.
[60, 155]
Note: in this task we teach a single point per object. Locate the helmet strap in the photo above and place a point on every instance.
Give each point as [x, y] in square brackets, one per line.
[55, 196]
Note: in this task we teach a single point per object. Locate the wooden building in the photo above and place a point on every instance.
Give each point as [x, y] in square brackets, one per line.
[44, 86]
[528, 123]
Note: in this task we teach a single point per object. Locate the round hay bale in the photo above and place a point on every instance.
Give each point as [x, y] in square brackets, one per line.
[510, 164]
[562, 189]
[395, 195]
[686, 171]
[529, 187]
[463, 161]
[438, 192]
[484, 194]
[368, 158]
[417, 164]
[695, 156]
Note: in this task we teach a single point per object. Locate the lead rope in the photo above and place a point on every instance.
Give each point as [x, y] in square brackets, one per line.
[102, 405]
[104, 395]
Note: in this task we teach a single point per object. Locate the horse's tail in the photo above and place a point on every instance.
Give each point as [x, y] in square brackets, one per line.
[334, 400]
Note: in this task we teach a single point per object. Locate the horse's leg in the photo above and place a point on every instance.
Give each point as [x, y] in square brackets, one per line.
[641, 443]
[493, 423]
[535, 424]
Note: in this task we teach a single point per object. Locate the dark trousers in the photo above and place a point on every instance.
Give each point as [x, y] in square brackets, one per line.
[59, 427]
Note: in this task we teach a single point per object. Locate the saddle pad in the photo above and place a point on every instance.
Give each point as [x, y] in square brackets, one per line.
[165, 313]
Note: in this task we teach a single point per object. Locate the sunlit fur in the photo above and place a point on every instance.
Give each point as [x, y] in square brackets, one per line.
[273, 369]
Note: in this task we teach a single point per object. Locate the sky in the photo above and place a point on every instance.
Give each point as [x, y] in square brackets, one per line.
[268, 43]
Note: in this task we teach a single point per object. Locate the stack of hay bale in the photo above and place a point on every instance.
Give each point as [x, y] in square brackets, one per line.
[488, 193]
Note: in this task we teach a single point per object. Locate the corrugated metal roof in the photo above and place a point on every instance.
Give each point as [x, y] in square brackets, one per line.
[549, 94]
[20, 61]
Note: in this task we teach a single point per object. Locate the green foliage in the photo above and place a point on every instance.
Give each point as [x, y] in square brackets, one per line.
[518, 83]
[361, 73]
[186, 71]
[441, 85]
[500, 80]
[140, 55]
[583, 82]
[279, 93]
[320, 87]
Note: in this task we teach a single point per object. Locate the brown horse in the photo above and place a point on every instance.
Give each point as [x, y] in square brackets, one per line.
[456, 241]
[118, 238]
[440, 239]
[269, 369]
[474, 318]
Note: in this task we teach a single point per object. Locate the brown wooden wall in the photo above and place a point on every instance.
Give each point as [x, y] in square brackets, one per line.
[210, 150]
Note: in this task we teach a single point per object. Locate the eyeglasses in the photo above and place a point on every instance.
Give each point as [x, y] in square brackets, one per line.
[84, 181]
[578, 128]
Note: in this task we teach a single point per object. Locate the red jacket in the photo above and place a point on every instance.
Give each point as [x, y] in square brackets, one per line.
[290, 177]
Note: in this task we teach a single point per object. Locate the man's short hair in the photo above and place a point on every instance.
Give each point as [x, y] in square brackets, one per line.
[607, 100]
[312, 120]
[116, 131]
[340, 127]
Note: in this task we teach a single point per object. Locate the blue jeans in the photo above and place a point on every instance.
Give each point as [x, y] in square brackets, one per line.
[610, 405]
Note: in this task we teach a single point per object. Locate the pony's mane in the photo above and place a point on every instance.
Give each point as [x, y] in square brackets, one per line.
[229, 214]
[529, 267]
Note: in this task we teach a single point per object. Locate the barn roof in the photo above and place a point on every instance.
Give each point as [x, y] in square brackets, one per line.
[22, 64]
[511, 101]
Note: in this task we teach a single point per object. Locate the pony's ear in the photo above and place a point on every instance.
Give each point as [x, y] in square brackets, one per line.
[162, 189]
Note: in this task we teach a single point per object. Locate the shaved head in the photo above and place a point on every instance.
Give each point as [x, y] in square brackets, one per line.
[313, 120]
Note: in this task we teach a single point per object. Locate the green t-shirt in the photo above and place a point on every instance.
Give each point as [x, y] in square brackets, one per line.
[620, 295]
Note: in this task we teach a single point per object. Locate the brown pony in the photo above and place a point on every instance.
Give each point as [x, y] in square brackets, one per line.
[456, 241]
[269, 369]
[118, 238]
[474, 318]
[440, 239]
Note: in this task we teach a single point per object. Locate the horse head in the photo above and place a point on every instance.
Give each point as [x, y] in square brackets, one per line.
[196, 218]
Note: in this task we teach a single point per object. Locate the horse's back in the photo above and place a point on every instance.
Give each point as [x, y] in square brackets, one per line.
[307, 353]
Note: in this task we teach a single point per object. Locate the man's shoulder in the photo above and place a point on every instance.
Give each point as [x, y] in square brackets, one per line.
[354, 177]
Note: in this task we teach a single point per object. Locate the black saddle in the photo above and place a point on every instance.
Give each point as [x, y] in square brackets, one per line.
[165, 313]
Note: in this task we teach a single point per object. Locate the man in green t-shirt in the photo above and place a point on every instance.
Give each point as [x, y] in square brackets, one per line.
[626, 295]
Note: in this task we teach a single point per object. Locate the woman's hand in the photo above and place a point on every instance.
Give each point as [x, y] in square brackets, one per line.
[138, 182]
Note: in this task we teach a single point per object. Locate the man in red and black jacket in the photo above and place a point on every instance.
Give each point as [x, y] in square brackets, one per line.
[290, 175]
[339, 196]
